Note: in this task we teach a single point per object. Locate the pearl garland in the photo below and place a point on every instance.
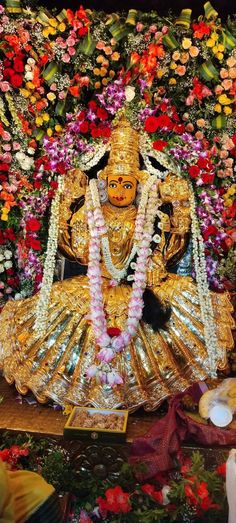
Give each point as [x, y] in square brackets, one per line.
[215, 353]
[110, 346]
[49, 264]
[119, 274]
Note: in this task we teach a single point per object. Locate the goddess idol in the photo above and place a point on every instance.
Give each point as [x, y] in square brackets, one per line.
[129, 333]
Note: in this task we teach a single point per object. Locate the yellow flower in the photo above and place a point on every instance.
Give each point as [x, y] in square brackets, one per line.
[215, 49]
[221, 48]
[227, 110]
[173, 65]
[62, 27]
[224, 100]
[220, 56]
[39, 121]
[218, 108]
[4, 217]
[58, 128]
[51, 96]
[214, 36]
[30, 85]
[100, 58]
[103, 71]
[160, 73]
[96, 71]
[45, 117]
[49, 132]
[105, 81]
[53, 22]
[186, 43]
[33, 99]
[172, 81]
[231, 190]
[210, 42]
[228, 202]
[97, 85]
[25, 93]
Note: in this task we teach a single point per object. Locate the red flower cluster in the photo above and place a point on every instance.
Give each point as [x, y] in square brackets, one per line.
[13, 454]
[12, 70]
[200, 30]
[155, 494]
[198, 495]
[92, 121]
[116, 501]
[203, 170]
[158, 122]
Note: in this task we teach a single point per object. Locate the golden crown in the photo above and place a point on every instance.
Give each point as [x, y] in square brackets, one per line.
[124, 152]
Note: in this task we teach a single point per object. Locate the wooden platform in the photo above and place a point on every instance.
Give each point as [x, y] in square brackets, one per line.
[43, 420]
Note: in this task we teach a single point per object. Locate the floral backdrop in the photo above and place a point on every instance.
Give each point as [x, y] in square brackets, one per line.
[63, 78]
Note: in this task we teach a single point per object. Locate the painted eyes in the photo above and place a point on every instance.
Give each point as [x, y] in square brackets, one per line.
[114, 185]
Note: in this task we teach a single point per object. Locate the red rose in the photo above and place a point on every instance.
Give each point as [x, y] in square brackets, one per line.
[84, 127]
[81, 116]
[158, 145]
[105, 131]
[208, 177]
[113, 331]
[35, 244]
[179, 129]
[16, 80]
[221, 469]
[7, 73]
[164, 122]
[83, 31]
[33, 225]
[92, 105]
[193, 171]
[53, 184]
[151, 124]
[9, 235]
[4, 166]
[211, 230]
[18, 65]
[10, 272]
[95, 132]
[4, 454]
[37, 184]
[102, 114]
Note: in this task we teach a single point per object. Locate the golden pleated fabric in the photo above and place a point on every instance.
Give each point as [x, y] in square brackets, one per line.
[154, 365]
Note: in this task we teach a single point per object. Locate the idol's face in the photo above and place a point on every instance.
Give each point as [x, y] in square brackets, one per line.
[121, 190]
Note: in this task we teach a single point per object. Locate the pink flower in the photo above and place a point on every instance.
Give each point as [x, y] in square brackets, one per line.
[104, 340]
[71, 51]
[114, 378]
[65, 58]
[106, 355]
[91, 371]
[4, 86]
[118, 343]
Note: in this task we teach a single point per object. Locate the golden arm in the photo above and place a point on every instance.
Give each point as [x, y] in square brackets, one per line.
[74, 188]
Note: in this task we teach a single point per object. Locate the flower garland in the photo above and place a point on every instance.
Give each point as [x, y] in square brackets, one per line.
[146, 151]
[119, 274]
[214, 352]
[108, 346]
[49, 264]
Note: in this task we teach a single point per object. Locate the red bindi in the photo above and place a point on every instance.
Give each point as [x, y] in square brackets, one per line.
[120, 179]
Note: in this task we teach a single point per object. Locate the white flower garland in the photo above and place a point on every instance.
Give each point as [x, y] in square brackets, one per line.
[49, 264]
[215, 353]
[146, 151]
[119, 274]
[91, 158]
